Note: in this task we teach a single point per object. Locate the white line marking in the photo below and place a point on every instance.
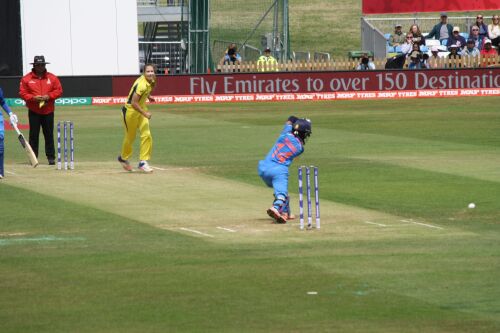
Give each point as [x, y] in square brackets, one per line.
[312, 292]
[226, 229]
[379, 224]
[10, 234]
[10, 172]
[196, 232]
[422, 224]
[158, 168]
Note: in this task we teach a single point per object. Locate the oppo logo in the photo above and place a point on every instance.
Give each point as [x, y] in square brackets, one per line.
[18, 101]
[71, 101]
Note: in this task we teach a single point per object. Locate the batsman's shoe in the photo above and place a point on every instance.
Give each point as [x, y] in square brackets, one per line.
[144, 166]
[125, 164]
[275, 214]
[288, 216]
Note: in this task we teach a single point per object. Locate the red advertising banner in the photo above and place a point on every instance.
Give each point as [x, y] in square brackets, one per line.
[397, 6]
[317, 82]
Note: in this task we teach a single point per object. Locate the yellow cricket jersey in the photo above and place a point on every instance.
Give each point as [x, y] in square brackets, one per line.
[142, 88]
[133, 121]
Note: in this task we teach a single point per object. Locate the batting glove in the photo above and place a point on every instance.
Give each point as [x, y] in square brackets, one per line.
[13, 119]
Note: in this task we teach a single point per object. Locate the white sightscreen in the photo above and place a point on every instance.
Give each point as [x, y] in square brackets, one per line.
[81, 37]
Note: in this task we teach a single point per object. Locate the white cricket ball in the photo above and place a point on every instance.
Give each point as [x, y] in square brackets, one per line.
[472, 205]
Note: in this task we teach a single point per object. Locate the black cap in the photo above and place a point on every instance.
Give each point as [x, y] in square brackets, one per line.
[39, 60]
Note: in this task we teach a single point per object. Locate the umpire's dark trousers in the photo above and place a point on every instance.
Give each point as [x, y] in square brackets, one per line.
[46, 121]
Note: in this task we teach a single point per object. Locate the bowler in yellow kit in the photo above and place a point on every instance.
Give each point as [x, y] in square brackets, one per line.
[136, 117]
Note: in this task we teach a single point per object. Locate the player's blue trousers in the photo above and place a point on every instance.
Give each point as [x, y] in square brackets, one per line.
[275, 175]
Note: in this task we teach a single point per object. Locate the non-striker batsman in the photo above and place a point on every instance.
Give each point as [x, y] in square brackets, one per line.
[13, 120]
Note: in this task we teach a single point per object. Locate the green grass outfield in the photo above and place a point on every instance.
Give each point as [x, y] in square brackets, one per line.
[101, 250]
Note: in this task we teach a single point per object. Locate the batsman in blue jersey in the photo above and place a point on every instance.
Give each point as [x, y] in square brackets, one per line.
[13, 120]
[274, 168]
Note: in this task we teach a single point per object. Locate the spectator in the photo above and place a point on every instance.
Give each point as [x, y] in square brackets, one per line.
[442, 30]
[365, 63]
[488, 54]
[418, 38]
[454, 51]
[470, 50]
[456, 39]
[488, 49]
[433, 59]
[415, 47]
[39, 89]
[435, 51]
[231, 56]
[478, 39]
[416, 60]
[425, 61]
[266, 62]
[481, 26]
[396, 62]
[407, 46]
[454, 57]
[494, 31]
[398, 37]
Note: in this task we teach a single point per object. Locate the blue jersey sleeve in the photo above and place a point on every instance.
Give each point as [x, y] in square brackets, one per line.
[3, 104]
[286, 129]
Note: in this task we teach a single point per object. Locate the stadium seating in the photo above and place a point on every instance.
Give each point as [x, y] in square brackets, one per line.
[318, 56]
[301, 56]
[432, 42]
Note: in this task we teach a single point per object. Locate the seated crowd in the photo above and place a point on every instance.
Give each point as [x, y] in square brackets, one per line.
[482, 39]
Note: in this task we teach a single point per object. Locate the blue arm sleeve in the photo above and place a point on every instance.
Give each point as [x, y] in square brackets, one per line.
[3, 104]
[286, 129]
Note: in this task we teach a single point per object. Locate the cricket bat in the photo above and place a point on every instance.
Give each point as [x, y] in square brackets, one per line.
[31, 155]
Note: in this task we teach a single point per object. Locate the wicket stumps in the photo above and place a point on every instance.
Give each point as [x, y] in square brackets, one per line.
[308, 194]
[68, 143]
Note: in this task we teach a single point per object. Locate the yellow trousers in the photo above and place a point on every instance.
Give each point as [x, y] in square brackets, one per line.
[132, 121]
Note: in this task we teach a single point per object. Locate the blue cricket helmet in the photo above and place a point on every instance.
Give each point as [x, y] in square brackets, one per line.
[302, 129]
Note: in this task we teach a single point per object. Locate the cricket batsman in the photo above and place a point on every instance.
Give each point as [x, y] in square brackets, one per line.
[274, 168]
[13, 120]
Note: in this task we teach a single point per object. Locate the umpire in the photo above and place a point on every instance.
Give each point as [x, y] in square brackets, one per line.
[39, 89]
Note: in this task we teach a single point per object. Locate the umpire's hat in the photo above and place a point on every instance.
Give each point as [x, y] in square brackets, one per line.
[39, 60]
